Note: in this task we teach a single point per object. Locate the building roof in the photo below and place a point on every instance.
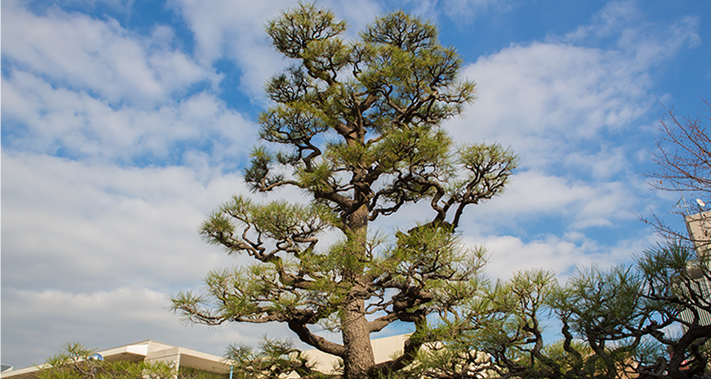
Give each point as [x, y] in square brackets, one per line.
[148, 351]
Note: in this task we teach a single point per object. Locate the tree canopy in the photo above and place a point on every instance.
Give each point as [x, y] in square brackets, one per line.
[356, 125]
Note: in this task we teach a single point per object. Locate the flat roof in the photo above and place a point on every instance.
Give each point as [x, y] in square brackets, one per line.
[149, 350]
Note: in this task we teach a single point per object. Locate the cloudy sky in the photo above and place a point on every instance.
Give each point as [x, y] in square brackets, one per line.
[124, 122]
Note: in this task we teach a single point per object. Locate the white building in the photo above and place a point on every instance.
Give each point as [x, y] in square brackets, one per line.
[699, 227]
[147, 351]
[152, 352]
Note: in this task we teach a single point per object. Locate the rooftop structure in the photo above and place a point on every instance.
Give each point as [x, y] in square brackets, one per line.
[147, 351]
[699, 227]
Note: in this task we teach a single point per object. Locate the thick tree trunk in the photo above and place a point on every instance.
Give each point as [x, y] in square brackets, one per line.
[359, 357]
[356, 339]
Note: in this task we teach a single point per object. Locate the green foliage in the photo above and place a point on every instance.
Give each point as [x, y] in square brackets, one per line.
[614, 323]
[295, 33]
[602, 302]
[274, 359]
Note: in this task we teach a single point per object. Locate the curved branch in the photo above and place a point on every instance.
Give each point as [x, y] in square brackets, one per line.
[320, 343]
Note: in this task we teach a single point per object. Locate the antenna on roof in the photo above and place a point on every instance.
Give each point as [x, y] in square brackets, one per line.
[681, 204]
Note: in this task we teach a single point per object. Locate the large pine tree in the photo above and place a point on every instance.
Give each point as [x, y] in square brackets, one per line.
[356, 126]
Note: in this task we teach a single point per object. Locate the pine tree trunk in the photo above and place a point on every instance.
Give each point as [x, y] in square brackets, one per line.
[356, 338]
[354, 326]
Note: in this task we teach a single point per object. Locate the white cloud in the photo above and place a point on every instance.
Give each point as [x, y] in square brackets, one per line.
[576, 117]
[235, 30]
[559, 254]
[51, 120]
[43, 320]
[648, 42]
[561, 93]
[548, 100]
[603, 164]
[88, 89]
[581, 204]
[609, 21]
[85, 54]
[78, 226]
[510, 254]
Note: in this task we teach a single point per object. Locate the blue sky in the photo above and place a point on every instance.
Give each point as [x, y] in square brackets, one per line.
[125, 122]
